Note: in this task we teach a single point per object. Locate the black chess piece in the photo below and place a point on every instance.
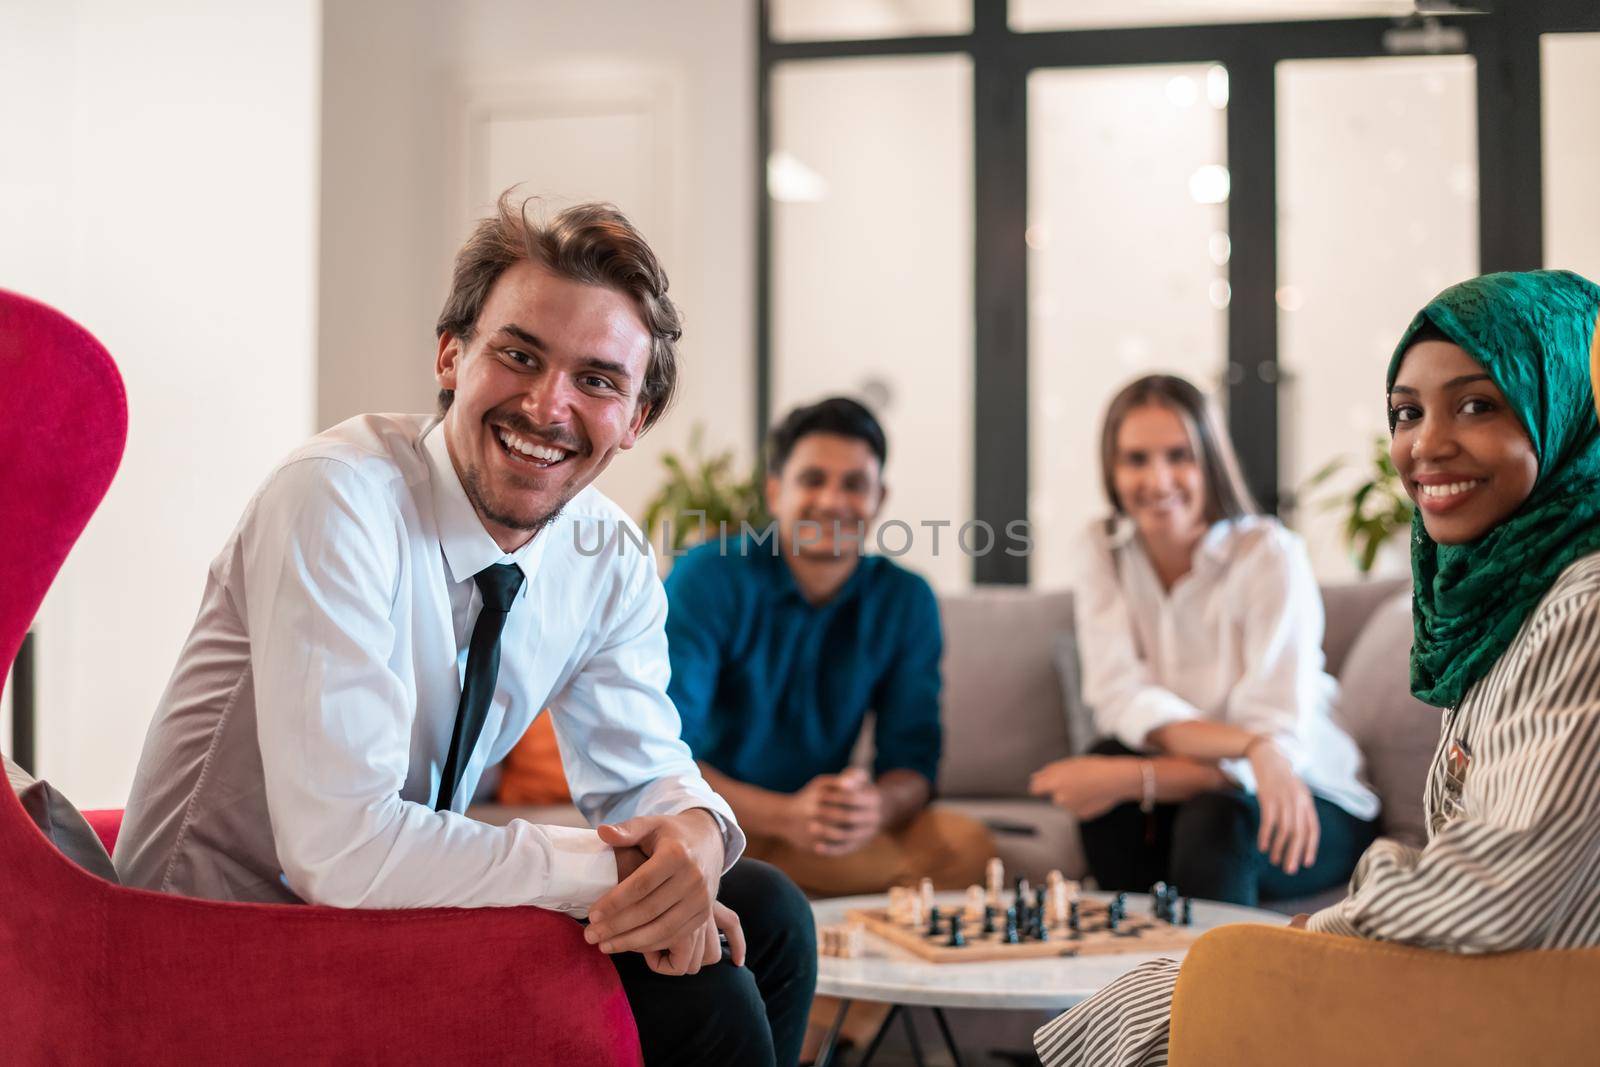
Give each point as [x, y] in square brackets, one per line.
[1011, 935]
[1074, 917]
[988, 919]
[957, 938]
[935, 922]
[1158, 897]
[1113, 918]
[1188, 911]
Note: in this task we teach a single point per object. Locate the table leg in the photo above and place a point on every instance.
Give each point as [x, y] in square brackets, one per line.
[949, 1042]
[911, 1035]
[877, 1038]
[830, 1043]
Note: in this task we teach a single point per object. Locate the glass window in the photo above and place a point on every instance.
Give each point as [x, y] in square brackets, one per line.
[849, 20]
[1377, 212]
[1128, 267]
[1571, 99]
[1092, 14]
[871, 182]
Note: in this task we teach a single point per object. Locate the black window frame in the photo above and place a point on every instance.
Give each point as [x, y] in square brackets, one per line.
[1504, 44]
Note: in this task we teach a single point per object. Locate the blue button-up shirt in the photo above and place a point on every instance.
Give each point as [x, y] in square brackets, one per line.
[774, 690]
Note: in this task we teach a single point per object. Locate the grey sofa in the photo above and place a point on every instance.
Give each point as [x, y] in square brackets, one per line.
[1010, 691]
[1012, 705]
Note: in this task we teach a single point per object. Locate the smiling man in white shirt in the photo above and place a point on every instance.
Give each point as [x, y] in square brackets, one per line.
[399, 601]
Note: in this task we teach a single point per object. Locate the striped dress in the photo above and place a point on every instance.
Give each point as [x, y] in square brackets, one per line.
[1513, 853]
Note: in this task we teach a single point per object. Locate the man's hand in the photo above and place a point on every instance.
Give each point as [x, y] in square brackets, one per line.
[668, 870]
[1088, 786]
[702, 947]
[836, 814]
[1289, 826]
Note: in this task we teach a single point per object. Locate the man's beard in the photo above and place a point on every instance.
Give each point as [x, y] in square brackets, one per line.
[473, 484]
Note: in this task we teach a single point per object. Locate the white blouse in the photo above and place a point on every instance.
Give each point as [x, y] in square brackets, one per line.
[1237, 640]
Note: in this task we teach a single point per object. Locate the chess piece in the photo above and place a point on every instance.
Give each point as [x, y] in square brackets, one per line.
[1074, 917]
[1188, 911]
[1158, 897]
[957, 938]
[1011, 936]
[935, 922]
[1113, 918]
[995, 879]
[925, 890]
[1059, 899]
[988, 919]
[974, 901]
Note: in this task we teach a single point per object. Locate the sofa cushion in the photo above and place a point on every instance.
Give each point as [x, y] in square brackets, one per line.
[1081, 730]
[1003, 716]
[1031, 837]
[540, 814]
[1396, 732]
[1347, 606]
[60, 822]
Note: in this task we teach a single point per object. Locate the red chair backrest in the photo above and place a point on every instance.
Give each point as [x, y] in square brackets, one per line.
[63, 422]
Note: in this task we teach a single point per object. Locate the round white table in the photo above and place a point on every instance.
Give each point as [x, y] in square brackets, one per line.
[891, 975]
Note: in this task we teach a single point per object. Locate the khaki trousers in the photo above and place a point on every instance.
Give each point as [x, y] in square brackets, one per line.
[950, 848]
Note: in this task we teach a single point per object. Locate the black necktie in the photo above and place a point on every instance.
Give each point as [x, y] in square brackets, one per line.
[498, 584]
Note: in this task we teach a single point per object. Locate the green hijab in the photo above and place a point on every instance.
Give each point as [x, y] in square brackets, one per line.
[1532, 334]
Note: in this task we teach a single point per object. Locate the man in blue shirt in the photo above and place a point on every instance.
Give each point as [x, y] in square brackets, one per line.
[781, 646]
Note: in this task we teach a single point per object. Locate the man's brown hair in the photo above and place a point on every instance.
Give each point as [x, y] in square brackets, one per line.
[592, 243]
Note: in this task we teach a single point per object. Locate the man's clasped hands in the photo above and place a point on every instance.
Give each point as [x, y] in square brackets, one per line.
[664, 906]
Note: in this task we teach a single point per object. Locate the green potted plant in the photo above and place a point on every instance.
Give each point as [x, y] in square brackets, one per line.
[697, 484]
[1375, 510]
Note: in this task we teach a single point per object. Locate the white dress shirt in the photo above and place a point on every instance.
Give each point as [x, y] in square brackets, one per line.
[1237, 640]
[299, 747]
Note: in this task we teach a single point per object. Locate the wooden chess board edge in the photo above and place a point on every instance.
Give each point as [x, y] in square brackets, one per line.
[1152, 937]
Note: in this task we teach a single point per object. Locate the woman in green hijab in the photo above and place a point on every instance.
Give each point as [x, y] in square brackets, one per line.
[1495, 435]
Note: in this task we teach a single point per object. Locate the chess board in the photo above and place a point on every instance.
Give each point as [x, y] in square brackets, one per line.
[1138, 932]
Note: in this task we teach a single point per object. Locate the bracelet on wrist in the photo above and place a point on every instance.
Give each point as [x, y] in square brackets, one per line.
[1147, 777]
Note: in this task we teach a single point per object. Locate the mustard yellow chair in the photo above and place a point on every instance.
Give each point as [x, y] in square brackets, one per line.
[1270, 995]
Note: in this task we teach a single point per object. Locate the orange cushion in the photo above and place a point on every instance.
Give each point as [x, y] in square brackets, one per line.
[532, 773]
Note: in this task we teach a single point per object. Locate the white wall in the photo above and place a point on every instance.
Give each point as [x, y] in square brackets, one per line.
[158, 184]
[430, 109]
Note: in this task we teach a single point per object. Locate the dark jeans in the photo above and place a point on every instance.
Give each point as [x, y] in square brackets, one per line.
[755, 1014]
[1206, 846]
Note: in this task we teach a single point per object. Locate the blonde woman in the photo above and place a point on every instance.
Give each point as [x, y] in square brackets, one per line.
[1199, 626]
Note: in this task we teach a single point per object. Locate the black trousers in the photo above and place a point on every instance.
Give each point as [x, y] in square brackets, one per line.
[1206, 846]
[755, 1014]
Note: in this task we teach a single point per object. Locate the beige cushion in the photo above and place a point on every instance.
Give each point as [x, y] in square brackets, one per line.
[1002, 709]
[1396, 732]
[60, 822]
[1081, 730]
[1031, 837]
[1347, 607]
[540, 815]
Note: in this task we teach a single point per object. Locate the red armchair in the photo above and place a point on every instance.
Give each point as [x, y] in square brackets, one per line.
[93, 972]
